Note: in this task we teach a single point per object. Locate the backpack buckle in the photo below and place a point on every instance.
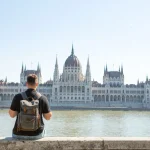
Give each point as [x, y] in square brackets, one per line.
[25, 109]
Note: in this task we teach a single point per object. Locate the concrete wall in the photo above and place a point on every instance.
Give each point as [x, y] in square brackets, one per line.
[77, 143]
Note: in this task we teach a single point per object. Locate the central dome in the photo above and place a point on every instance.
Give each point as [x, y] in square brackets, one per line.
[72, 60]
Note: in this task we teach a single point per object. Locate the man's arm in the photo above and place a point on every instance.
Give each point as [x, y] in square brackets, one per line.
[13, 108]
[47, 116]
[12, 113]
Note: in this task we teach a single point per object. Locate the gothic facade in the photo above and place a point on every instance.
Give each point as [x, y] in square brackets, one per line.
[71, 86]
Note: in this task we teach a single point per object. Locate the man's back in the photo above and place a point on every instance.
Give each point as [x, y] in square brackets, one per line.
[43, 109]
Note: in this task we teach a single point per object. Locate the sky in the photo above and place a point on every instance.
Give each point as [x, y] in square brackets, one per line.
[112, 32]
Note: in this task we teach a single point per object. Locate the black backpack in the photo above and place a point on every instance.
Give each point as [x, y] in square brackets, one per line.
[29, 118]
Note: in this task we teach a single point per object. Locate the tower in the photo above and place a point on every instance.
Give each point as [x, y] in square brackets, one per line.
[56, 72]
[72, 51]
[121, 69]
[22, 74]
[106, 68]
[38, 67]
[88, 72]
[39, 74]
[5, 80]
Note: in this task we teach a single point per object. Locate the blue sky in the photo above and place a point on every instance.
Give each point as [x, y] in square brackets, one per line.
[109, 31]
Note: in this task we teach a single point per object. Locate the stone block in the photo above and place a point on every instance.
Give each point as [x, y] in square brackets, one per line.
[126, 143]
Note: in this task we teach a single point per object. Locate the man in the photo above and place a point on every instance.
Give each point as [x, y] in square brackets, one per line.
[43, 106]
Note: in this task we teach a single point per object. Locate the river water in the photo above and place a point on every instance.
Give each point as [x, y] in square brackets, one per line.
[89, 123]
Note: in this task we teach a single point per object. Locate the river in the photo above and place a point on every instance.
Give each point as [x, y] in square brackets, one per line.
[89, 123]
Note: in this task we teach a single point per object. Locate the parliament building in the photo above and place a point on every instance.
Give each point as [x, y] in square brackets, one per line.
[72, 88]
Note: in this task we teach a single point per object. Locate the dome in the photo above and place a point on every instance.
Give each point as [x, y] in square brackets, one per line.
[72, 60]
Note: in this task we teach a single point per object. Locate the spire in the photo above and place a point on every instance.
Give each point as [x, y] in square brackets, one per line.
[72, 51]
[104, 70]
[40, 70]
[88, 63]
[106, 67]
[38, 67]
[56, 72]
[56, 64]
[25, 68]
[121, 69]
[6, 80]
[146, 78]
[88, 71]
[22, 68]
[138, 82]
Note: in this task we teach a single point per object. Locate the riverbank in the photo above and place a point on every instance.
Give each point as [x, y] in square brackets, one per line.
[93, 108]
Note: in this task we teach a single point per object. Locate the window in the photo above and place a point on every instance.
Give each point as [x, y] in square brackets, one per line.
[72, 89]
[83, 89]
[87, 90]
[60, 88]
[55, 89]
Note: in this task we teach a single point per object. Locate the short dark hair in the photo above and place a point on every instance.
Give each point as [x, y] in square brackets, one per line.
[32, 79]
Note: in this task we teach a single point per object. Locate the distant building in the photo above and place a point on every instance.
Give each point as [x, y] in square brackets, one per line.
[72, 87]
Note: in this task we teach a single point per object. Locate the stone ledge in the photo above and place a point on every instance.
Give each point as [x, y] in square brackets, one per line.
[77, 143]
[126, 143]
[53, 143]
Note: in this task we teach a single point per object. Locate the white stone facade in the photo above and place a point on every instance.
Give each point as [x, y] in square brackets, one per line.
[72, 86]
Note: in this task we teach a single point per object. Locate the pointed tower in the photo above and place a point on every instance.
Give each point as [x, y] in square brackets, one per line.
[38, 67]
[72, 51]
[39, 73]
[146, 79]
[88, 72]
[6, 80]
[56, 72]
[25, 68]
[138, 82]
[22, 68]
[121, 69]
[106, 68]
[40, 70]
[22, 73]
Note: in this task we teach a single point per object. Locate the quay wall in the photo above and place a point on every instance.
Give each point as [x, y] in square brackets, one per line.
[95, 106]
[77, 143]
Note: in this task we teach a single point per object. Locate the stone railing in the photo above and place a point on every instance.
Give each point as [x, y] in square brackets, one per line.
[77, 143]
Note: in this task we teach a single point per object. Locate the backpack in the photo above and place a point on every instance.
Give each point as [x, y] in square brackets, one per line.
[29, 118]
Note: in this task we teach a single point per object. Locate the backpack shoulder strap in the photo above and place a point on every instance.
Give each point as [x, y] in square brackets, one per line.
[38, 95]
[40, 104]
[24, 95]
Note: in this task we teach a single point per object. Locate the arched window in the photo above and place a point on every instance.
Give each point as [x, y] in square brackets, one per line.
[68, 88]
[111, 97]
[72, 89]
[107, 98]
[60, 88]
[87, 90]
[64, 88]
[72, 77]
[75, 88]
[83, 89]
[75, 77]
[79, 88]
